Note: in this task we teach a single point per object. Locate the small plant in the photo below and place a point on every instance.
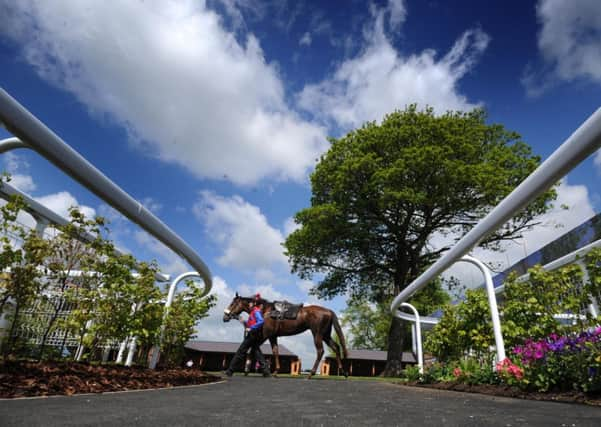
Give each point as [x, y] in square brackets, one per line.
[439, 372]
[411, 373]
[509, 372]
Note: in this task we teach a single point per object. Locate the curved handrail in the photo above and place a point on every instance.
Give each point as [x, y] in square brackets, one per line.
[582, 143]
[157, 348]
[35, 135]
[418, 335]
[492, 304]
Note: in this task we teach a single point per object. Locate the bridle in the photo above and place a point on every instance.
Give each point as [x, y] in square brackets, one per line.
[227, 313]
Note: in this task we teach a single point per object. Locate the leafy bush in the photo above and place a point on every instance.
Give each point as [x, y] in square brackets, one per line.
[463, 328]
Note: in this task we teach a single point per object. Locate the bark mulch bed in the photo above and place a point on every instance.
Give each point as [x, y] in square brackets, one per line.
[593, 399]
[22, 379]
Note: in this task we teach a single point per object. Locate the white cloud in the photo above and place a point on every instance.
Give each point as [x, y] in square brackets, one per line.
[290, 226]
[62, 201]
[212, 328]
[379, 79]
[306, 39]
[152, 205]
[569, 42]
[305, 285]
[247, 240]
[266, 291]
[169, 261]
[185, 89]
[16, 166]
[23, 182]
[397, 13]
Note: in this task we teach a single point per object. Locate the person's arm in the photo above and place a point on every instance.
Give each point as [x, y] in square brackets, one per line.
[259, 319]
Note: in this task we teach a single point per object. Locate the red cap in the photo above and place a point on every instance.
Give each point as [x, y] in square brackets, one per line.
[257, 296]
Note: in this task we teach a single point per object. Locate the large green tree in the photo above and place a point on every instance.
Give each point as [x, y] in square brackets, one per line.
[380, 194]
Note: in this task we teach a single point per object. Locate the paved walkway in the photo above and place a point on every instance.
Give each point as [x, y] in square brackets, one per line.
[240, 401]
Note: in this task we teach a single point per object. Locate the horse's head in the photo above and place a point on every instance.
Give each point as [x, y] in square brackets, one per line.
[237, 306]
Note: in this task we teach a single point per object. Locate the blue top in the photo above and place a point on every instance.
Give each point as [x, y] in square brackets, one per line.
[258, 319]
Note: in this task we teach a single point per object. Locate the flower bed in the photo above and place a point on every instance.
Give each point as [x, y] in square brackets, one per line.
[561, 368]
[20, 379]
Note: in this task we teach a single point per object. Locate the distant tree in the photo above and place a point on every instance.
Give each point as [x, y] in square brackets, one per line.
[369, 323]
[382, 192]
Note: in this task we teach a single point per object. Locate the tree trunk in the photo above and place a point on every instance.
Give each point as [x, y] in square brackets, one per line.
[395, 348]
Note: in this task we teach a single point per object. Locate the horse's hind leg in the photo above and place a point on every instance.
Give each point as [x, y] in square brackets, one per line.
[317, 339]
[276, 354]
[336, 348]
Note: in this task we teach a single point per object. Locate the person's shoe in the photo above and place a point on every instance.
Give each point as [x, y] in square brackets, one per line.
[266, 374]
[228, 373]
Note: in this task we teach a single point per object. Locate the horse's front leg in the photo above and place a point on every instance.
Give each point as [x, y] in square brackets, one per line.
[276, 354]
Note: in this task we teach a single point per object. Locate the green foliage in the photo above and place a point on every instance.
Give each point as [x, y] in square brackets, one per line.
[438, 372]
[411, 373]
[530, 306]
[66, 253]
[476, 370]
[107, 302]
[463, 328]
[368, 324]
[549, 354]
[22, 280]
[382, 191]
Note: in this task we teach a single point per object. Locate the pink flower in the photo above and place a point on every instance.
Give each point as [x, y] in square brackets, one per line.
[457, 372]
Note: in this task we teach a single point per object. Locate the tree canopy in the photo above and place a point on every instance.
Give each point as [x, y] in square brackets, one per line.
[381, 193]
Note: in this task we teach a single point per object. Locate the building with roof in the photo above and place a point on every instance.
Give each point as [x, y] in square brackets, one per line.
[216, 356]
[364, 363]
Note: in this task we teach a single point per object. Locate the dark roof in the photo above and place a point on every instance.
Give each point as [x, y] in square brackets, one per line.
[231, 347]
[377, 355]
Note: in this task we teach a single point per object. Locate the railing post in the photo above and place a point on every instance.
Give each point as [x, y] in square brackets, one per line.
[418, 334]
[492, 303]
[156, 349]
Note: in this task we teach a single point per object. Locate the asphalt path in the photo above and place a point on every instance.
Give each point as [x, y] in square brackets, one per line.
[257, 401]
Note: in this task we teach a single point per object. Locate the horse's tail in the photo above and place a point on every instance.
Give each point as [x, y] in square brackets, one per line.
[338, 330]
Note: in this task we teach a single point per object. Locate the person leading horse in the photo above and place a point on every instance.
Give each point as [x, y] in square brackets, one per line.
[318, 320]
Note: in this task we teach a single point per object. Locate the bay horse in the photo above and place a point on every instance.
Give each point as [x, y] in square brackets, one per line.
[318, 320]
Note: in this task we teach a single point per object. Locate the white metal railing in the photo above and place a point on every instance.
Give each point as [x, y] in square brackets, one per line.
[582, 143]
[32, 133]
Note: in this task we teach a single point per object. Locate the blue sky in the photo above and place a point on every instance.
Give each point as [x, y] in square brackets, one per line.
[214, 113]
